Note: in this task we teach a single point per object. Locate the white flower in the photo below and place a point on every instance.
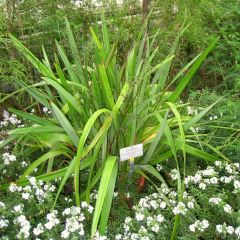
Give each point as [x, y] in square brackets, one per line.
[13, 120]
[192, 227]
[45, 109]
[155, 228]
[190, 205]
[18, 208]
[215, 201]
[208, 172]
[213, 180]
[128, 220]
[52, 188]
[26, 196]
[196, 178]
[3, 223]
[65, 234]
[52, 220]
[236, 184]
[24, 164]
[154, 204]
[230, 229]
[149, 220]
[229, 169]
[205, 223]
[226, 179]
[237, 231]
[49, 225]
[180, 209]
[38, 230]
[163, 205]
[218, 163]
[67, 211]
[8, 158]
[219, 228]
[32, 181]
[227, 208]
[84, 204]
[115, 194]
[90, 209]
[174, 174]
[25, 226]
[13, 187]
[139, 216]
[159, 167]
[199, 225]
[202, 186]
[160, 218]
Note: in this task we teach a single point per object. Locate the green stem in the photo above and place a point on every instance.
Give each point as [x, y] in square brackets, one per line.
[175, 227]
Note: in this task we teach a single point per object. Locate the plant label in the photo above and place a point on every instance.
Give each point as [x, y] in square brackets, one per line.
[131, 152]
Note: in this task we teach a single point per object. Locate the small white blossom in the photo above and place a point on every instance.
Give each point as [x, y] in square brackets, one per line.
[227, 208]
[180, 209]
[18, 208]
[219, 228]
[215, 201]
[237, 231]
[3, 223]
[139, 216]
[163, 205]
[26, 196]
[190, 205]
[155, 228]
[160, 218]
[202, 186]
[38, 230]
[230, 229]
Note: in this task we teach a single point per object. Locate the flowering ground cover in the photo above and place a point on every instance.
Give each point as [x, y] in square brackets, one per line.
[209, 208]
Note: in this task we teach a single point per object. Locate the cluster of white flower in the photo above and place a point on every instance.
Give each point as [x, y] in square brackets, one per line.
[9, 120]
[210, 176]
[38, 230]
[153, 212]
[46, 110]
[159, 167]
[52, 220]
[37, 190]
[215, 201]
[18, 208]
[200, 226]
[24, 231]
[227, 208]
[180, 209]
[3, 222]
[227, 229]
[74, 220]
[8, 158]
[174, 174]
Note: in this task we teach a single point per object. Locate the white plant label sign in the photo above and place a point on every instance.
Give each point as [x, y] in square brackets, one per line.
[131, 152]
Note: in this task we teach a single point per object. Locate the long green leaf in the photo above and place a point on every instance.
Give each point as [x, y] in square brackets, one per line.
[102, 191]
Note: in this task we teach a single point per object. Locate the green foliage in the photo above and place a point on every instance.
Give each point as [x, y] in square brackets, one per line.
[100, 108]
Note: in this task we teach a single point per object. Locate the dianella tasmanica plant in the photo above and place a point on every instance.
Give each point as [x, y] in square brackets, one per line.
[100, 106]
